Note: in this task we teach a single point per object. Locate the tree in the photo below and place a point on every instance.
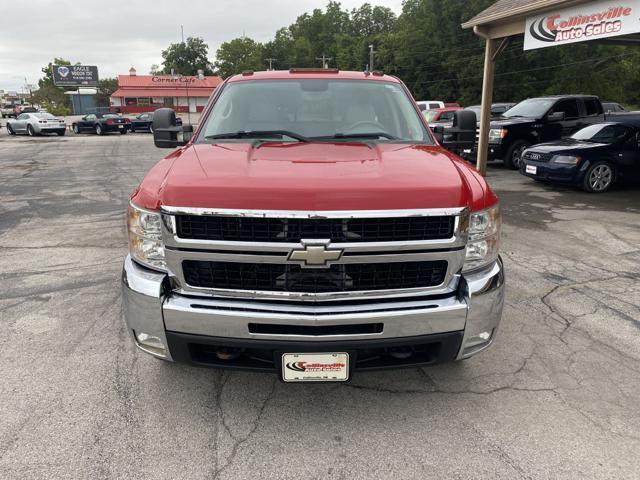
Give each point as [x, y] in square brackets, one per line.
[50, 97]
[155, 69]
[106, 87]
[186, 58]
[238, 55]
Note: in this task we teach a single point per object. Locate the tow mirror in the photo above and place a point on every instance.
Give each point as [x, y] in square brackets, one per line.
[465, 120]
[555, 117]
[168, 132]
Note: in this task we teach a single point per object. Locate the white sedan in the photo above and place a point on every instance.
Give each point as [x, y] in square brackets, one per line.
[36, 124]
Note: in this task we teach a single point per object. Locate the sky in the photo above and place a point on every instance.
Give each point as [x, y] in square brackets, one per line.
[117, 35]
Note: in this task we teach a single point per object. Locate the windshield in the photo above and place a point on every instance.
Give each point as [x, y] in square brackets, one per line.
[532, 107]
[314, 109]
[602, 133]
[430, 115]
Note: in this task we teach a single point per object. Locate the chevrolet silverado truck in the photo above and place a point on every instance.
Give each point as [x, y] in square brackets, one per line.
[311, 226]
[537, 120]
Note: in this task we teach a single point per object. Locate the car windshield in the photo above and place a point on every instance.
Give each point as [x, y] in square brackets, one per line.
[44, 116]
[602, 133]
[430, 115]
[532, 107]
[314, 109]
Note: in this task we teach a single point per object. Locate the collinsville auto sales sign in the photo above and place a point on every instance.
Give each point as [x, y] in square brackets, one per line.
[586, 21]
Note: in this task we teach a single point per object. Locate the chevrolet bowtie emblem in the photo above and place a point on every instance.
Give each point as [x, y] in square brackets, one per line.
[316, 254]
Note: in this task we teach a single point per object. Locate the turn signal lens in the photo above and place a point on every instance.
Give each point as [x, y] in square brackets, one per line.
[145, 237]
[484, 238]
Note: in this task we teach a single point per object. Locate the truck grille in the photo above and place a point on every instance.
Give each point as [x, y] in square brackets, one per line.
[250, 229]
[293, 278]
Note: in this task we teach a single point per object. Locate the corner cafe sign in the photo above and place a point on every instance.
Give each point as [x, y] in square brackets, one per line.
[586, 21]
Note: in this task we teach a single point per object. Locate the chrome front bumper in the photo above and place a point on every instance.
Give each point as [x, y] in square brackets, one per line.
[151, 308]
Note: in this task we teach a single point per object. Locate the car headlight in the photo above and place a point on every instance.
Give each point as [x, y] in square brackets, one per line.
[566, 159]
[484, 238]
[496, 135]
[145, 237]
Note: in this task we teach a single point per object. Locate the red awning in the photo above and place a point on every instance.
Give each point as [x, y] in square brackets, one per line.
[162, 92]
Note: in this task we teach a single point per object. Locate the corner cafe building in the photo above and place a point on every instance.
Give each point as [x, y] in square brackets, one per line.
[145, 93]
[544, 24]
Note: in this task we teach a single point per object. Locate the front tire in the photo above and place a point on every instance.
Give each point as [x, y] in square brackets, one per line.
[75, 129]
[10, 130]
[99, 130]
[513, 158]
[599, 177]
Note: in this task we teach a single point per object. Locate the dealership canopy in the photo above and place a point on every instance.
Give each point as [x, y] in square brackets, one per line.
[547, 23]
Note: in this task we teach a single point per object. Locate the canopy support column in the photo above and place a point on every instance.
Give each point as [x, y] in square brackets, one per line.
[487, 99]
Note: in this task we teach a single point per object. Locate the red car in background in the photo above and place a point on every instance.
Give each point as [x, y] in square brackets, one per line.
[438, 115]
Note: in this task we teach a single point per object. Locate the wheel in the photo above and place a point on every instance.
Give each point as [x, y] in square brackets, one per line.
[75, 128]
[99, 129]
[123, 131]
[133, 130]
[151, 127]
[599, 177]
[61, 133]
[10, 130]
[514, 154]
[30, 131]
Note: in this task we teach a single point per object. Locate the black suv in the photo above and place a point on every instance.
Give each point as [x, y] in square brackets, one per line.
[541, 119]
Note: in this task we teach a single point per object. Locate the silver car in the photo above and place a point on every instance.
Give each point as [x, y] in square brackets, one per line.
[36, 124]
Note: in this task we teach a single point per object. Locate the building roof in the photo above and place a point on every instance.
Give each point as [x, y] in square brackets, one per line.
[181, 91]
[505, 9]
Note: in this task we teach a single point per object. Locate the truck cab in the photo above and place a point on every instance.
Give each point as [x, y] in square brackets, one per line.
[540, 119]
[311, 226]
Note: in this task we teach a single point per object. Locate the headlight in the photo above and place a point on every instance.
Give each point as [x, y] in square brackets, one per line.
[145, 237]
[566, 159]
[496, 135]
[484, 238]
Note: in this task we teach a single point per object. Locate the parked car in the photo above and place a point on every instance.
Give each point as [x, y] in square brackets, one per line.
[33, 124]
[612, 107]
[594, 158]
[296, 232]
[430, 104]
[8, 110]
[101, 123]
[143, 122]
[543, 119]
[440, 115]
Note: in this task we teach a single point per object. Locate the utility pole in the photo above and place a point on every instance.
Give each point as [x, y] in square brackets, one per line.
[270, 60]
[325, 60]
[371, 52]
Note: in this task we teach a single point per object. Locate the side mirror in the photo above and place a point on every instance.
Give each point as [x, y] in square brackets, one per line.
[168, 132]
[465, 120]
[555, 117]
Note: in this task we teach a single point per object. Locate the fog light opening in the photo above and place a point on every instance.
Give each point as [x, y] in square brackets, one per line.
[477, 342]
[151, 343]
[228, 353]
[401, 353]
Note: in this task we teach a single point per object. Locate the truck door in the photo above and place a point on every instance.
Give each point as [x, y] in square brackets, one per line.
[572, 121]
[593, 111]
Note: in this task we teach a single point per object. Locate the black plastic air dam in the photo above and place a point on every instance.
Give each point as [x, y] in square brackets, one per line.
[264, 355]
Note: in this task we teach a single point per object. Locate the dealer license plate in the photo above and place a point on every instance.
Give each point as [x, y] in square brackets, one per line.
[315, 367]
[532, 169]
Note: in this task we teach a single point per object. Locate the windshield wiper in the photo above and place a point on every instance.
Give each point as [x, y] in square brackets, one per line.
[360, 135]
[259, 133]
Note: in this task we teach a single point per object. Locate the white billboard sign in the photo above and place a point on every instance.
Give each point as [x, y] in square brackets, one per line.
[586, 21]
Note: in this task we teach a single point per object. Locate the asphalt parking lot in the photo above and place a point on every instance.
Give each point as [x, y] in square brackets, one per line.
[556, 397]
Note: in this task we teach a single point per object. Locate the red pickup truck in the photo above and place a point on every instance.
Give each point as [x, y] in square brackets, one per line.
[311, 226]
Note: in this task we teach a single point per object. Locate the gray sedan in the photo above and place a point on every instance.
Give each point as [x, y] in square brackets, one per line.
[36, 124]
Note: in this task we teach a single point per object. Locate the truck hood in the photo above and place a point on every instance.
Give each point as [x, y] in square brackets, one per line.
[506, 122]
[314, 176]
